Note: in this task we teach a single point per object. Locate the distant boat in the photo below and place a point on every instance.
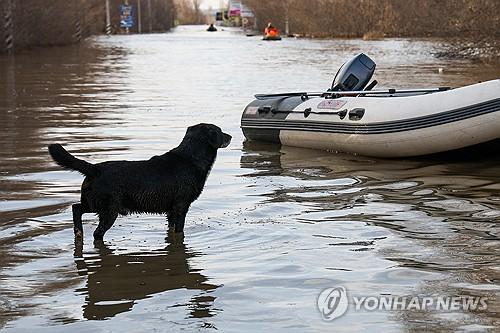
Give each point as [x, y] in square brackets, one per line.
[271, 37]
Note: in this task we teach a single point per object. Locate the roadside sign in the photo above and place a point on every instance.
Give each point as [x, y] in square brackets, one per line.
[246, 12]
[126, 17]
[234, 8]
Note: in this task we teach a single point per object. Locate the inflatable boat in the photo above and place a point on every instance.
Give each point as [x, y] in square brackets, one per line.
[351, 117]
[271, 37]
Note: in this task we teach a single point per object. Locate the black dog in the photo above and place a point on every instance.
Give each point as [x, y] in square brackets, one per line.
[165, 184]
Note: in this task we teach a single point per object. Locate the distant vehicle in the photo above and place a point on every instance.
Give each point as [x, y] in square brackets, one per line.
[211, 28]
[350, 117]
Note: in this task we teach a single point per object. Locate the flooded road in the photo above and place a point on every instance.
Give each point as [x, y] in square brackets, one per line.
[274, 226]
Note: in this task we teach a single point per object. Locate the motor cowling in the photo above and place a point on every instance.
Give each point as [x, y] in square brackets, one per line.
[354, 74]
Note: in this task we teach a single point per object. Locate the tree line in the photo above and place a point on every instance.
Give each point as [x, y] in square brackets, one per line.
[390, 18]
[189, 12]
[28, 23]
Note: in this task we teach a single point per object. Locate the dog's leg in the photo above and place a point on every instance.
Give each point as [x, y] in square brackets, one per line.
[77, 220]
[177, 217]
[171, 222]
[174, 238]
[106, 220]
[179, 223]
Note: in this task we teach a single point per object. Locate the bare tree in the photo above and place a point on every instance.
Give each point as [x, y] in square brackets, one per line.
[189, 12]
[196, 7]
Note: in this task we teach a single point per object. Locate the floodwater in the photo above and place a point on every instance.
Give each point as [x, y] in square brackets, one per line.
[274, 226]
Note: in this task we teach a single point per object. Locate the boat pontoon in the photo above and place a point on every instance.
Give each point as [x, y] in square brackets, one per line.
[351, 117]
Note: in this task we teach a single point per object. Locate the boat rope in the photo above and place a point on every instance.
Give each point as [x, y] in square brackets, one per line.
[338, 94]
[306, 112]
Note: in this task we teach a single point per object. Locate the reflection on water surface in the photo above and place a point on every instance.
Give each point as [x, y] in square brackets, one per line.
[274, 225]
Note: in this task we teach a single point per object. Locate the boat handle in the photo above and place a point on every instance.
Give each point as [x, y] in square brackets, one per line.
[356, 113]
[341, 113]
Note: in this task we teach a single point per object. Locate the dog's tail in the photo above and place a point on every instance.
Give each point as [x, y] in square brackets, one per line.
[68, 161]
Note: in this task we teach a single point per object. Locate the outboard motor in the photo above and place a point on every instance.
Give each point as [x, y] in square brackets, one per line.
[354, 74]
[267, 116]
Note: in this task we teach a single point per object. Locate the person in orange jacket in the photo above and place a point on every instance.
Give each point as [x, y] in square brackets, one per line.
[270, 30]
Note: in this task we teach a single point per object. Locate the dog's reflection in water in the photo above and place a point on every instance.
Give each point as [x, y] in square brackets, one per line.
[116, 281]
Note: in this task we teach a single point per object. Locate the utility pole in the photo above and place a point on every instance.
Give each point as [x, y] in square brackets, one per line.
[9, 27]
[108, 19]
[77, 36]
[149, 17]
[126, 29]
[139, 23]
[287, 26]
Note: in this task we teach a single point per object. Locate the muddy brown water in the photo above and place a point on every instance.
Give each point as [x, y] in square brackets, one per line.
[274, 226]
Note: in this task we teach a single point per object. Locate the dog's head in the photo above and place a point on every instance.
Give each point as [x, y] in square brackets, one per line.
[211, 134]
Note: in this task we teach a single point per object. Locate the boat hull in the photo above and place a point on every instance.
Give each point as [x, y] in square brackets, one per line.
[271, 38]
[388, 127]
